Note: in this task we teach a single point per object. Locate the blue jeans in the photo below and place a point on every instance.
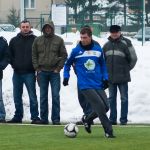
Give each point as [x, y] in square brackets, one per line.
[18, 81]
[46, 77]
[123, 88]
[2, 108]
[86, 107]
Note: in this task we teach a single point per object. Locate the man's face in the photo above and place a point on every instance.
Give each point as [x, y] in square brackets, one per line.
[25, 27]
[115, 35]
[47, 29]
[85, 39]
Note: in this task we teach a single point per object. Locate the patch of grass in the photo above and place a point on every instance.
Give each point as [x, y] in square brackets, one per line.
[22, 137]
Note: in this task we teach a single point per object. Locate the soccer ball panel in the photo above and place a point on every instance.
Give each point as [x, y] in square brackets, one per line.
[71, 130]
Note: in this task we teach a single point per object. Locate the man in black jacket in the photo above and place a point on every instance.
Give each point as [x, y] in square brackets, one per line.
[120, 59]
[24, 73]
[3, 65]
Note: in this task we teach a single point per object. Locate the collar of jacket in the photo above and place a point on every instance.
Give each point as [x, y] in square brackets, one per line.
[115, 40]
[87, 47]
[30, 33]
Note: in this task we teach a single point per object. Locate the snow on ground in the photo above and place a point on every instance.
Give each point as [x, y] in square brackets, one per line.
[139, 95]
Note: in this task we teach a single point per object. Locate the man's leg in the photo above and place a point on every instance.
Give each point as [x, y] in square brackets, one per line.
[86, 107]
[113, 103]
[99, 107]
[55, 88]
[30, 81]
[2, 108]
[123, 88]
[17, 93]
[104, 98]
[44, 83]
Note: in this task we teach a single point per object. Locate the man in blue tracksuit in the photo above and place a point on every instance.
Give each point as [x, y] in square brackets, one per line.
[91, 74]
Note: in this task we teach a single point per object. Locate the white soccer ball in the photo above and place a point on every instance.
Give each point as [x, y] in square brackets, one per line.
[71, 130]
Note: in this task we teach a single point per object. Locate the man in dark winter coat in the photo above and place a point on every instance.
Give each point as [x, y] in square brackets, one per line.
[24, 73]
[120, 59]
[48, 56]
[3, 65]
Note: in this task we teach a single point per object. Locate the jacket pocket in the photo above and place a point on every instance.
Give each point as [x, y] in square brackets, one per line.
[55, 47]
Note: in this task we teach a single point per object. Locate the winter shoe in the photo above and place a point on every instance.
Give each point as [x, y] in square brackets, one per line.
[14, 120]
[36, 121]
[87, 126]
[109, 135]
[2, 121]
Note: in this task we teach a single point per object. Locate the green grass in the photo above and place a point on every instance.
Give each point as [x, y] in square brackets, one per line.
[26, 137]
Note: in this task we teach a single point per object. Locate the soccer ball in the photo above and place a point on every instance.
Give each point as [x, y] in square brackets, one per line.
[71, 130]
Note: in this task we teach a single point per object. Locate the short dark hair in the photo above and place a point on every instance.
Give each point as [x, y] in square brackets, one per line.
[86, 30]
[24, 21]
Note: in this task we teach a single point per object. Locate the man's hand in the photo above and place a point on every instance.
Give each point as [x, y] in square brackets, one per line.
[65, 81]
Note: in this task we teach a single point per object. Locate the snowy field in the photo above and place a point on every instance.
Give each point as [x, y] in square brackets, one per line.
[139, 87]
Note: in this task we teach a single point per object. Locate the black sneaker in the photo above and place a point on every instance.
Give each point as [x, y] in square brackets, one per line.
[79, 123]
[36, 121]
[114, 123]
[13, 120]
[87, 126]
[123, 123]
[109, 135]
[2, 121]
[43, 122]
[56, 123]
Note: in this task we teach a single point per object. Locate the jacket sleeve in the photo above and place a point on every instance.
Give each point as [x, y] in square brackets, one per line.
[133, 56]
[62, 54]
[5, 58]
[35, 55]
[103, 66]
[68, 65]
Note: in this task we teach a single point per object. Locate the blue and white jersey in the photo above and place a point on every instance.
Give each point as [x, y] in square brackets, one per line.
[89, 66]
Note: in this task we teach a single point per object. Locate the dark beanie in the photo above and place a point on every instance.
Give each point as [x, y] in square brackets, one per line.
[115, 28]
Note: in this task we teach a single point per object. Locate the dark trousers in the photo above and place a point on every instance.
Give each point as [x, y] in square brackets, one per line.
[86, 107]
[99, 104]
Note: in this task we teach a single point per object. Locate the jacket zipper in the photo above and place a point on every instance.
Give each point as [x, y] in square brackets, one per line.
[113, 44]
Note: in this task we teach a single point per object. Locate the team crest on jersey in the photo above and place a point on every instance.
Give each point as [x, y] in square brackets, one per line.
[89, 65]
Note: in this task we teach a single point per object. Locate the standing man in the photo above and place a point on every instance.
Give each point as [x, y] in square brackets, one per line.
[3, 65]
[120, 59]
[24, 73]
[91, 73]
[48, 56]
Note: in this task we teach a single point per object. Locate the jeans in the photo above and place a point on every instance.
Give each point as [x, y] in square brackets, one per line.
[46, 77]
[123, 88]
[18, 81]
[86, 107]
[2, 108]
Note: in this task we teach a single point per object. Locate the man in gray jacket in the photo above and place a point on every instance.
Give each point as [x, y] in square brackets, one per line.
[48, 57]
[120, 59]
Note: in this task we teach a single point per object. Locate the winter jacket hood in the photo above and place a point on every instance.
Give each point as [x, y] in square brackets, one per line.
[49, 23]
